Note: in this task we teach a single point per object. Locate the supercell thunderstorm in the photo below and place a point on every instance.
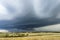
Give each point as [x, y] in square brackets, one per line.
[29, 15]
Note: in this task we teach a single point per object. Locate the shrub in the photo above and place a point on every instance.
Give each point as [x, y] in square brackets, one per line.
[14, 35]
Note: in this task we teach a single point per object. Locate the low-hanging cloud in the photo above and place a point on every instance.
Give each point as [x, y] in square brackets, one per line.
[55, 27]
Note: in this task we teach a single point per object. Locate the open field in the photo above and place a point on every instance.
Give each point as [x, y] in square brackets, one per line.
[35, 36]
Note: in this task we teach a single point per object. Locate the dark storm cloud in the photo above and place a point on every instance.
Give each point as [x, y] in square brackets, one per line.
[47, 15]
[28, 14]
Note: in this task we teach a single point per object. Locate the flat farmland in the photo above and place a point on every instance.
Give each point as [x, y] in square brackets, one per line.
[35, 36]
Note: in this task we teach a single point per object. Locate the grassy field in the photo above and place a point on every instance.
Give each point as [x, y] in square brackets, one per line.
[35, 36]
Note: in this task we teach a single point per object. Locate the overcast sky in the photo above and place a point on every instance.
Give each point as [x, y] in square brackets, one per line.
[29, 14]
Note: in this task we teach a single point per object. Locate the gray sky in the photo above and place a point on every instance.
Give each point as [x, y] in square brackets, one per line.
[29, 14]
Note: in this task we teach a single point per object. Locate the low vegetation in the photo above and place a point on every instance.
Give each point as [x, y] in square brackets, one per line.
[13, 35]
